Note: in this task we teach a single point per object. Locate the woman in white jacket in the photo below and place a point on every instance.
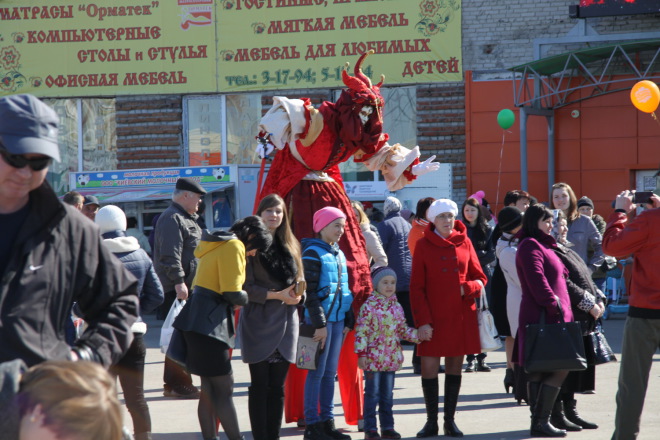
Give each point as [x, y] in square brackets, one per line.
[374, 245]
[509, 221]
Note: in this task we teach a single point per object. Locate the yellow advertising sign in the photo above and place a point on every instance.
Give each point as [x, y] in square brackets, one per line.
[67, 48]
[280, 44]
[57, 48]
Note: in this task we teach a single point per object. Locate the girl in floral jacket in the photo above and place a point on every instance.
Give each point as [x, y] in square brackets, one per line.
[380, 326]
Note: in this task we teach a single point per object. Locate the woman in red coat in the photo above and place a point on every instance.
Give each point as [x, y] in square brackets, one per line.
[446, 279]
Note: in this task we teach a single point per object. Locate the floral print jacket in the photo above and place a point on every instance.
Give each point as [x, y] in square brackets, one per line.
[380, 326]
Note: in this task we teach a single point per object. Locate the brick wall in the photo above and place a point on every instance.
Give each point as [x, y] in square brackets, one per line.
[441, 128]
[149, 131]
[500, 34]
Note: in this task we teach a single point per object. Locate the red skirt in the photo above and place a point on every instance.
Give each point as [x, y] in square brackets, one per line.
[307, 197]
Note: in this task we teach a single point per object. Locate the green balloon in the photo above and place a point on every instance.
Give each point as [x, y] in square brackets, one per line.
[506, 118]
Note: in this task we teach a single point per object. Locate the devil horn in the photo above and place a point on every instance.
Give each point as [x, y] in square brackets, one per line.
[352, 83]
[357, 71]
[382, 79]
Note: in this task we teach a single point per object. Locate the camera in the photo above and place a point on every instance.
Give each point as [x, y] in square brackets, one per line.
[642, 197]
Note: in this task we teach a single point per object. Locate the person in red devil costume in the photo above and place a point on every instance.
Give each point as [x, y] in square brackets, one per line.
[305, 173]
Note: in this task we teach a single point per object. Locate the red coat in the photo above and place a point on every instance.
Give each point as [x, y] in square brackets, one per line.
[440, 267]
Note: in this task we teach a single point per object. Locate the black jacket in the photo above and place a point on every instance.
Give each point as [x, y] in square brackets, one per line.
[177, 236]
[58, 259]
[581, 288]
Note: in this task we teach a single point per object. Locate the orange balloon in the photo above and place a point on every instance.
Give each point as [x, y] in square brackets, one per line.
[645, 95]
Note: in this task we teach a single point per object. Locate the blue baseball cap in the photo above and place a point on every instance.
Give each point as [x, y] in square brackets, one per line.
[28, 125]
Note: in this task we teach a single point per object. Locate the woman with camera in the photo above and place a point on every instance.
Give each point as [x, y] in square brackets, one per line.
[269, 322]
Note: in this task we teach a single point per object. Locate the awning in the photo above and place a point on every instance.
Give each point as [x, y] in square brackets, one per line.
[119, 195]
[557, 63]
[571, 77]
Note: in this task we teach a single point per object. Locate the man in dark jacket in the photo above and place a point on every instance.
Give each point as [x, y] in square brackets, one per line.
[177, 236]
[50, 255]
[393, 233]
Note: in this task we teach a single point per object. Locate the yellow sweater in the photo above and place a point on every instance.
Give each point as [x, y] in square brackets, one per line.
[221, 266]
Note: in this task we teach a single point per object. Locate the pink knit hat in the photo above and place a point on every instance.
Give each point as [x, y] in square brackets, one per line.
[324, 216]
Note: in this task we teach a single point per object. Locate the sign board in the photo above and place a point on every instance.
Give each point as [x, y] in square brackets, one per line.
[70, 48]
[283, 44]
[150, 178]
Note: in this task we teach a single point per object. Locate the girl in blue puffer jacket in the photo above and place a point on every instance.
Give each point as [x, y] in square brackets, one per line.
[328, 309]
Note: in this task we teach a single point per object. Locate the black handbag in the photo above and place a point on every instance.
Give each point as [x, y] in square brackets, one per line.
[554, 347]
[598, 350]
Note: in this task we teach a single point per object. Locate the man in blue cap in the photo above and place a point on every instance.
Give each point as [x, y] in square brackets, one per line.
[50, 257]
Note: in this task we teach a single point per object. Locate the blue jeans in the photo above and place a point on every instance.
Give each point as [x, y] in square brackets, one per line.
[378, 390]
[320, 383]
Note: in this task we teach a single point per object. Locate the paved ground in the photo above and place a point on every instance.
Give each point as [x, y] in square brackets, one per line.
[484, 410]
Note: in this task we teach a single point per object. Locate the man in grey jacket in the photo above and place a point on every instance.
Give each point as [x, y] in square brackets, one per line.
[177, 236]
[50, 255]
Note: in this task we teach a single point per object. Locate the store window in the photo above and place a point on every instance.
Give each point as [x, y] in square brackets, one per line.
[205, 124]
[87, 138]
[203, 130]
[243, 115]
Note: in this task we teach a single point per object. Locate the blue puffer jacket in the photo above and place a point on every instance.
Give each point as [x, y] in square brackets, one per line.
[137, 261]
[394, 232]
[322, 276]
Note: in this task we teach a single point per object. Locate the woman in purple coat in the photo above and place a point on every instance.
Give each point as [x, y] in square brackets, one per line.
[543, 281]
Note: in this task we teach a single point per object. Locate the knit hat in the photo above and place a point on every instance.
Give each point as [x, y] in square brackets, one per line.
[324, 216]
[440, 206]
[406, 214]
[509, 218]
[381, 272]
[392, 204]
[585, 201]
[111, 218]
[479, 195]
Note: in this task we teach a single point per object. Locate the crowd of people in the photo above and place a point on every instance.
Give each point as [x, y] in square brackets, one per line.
[427, 272]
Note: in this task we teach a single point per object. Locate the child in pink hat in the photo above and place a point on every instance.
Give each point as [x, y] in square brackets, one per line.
[328, 309]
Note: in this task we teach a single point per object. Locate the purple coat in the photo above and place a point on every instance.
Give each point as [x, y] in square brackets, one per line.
[542, 279]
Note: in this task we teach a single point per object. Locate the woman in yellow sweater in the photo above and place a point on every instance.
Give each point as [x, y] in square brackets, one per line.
[206, 320]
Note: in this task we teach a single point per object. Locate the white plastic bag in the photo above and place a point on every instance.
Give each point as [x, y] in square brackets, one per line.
[167, 329]
[490, 340]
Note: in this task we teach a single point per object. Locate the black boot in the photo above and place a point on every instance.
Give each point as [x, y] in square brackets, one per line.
[572, 415]
[331, 431]
[509, 381]
[452, 389]
[532, 395]
[258, 410]
[315, 431]
[430, 389]
[143, 436]
[275, 411]
[559, 420]
[541, 426]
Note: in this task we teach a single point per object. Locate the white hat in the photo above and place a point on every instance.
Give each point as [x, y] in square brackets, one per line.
[111, 218]
[392, 204]
[438, 207]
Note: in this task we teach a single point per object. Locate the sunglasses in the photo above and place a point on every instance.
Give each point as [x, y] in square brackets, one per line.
[19, 161]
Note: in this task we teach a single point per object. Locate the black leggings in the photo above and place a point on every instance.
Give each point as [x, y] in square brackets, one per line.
[554, 379]
[266, 398]
[216, 403]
